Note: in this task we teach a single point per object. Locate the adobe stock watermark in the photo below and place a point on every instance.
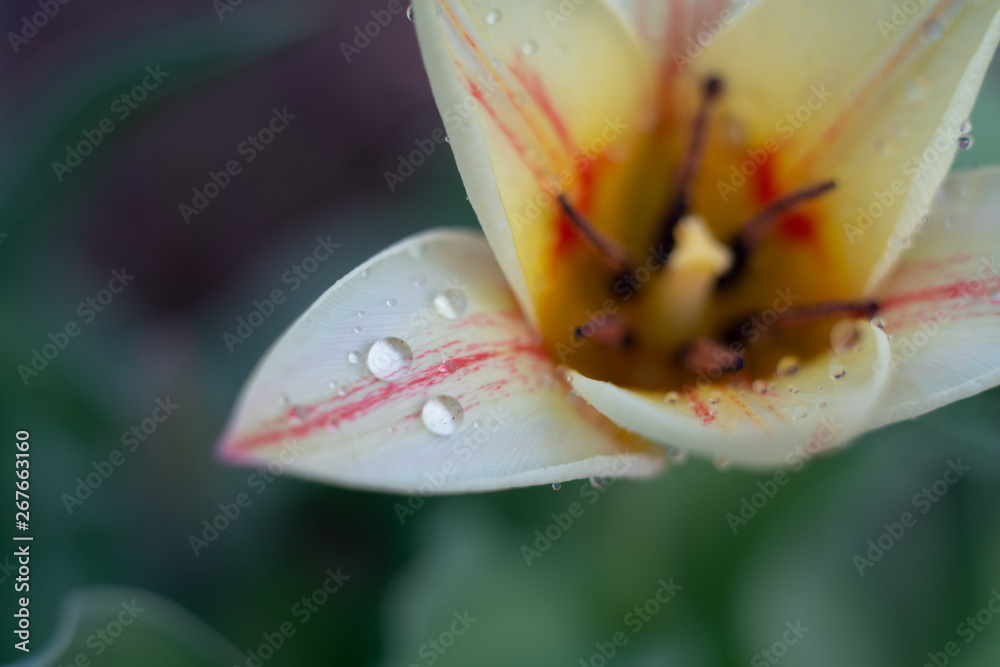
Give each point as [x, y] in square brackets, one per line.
[294, 277]
[87, 310]
[30, 25]
[363, 35]
[462, 451]
[102, 638]
[786, 127]
[924, 500]
[967, 630]
[779, 648]
[696, 44]
[131, 440]
[257, 482]
[248, 149]
[435, 647]
[453, 117]
[635, 620]
[563, 522]
[301, 611]
[121, 108]
[900, 15]
[223, 7]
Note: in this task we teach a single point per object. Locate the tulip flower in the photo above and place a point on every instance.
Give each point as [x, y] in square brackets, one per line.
[710, 229]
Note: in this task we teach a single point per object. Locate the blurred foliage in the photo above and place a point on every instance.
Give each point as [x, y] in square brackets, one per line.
[161, 338]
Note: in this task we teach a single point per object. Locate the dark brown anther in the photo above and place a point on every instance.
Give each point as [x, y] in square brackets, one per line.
[754, 230]
[711, 91]
[609, 251]
[753, 327]
[705, 355]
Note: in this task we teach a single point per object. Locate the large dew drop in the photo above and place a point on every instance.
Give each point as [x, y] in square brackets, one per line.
[451, 304]
[442, 415]
[390, 359]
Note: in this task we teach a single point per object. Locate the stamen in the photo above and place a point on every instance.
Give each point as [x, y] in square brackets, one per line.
[754, 230]
[804, 315]
[705, 355]
[608, 250]
[608, 330]
[692, 162]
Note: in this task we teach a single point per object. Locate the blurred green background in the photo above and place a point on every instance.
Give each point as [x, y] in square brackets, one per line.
[449, 583]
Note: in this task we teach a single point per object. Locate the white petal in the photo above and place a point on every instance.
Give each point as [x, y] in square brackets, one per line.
[313, 409]
[941, 303]
[799, 416]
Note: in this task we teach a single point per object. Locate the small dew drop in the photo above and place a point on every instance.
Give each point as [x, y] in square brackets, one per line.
[477, 424]
[390, 429]
[391, 303]
[419, 282]
[442, 415]
[447, 367]
[821, 403]
[788, 365]
[964, 142]
[837, 370]
[331, 425]
[913, 90]
[671, 398]
[791, 389]
[283, 400]
[409, 13]
[933, 31]
[364, 273]
[597, 482]
[529, 48]
[878, 322]
[677, 456]
[798, 413]
[493, 16]
[358, 329]
[714, 397]
[361, 313]
[439, 9]
[721, 463]
[297, 414]
[390, 359]
[965, 127]
[556, 486]
[450, 304]
[354, 357]
[759, 387]
[843, 336]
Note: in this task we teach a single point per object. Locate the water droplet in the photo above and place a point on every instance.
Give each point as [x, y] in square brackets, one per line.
[390, 359]
[556, 486]
[331, 425]
[391, 303]
[447, 367]
[714, 397]
[298, 414]
[965, 127]
[933, 30]
[451, 304]
[913, 90]
[358, 329]
[837, 370]
[788, 365]
[821, 403]
[493, 16]
[390, 429]
[354, 357]
[409, 13]
[597, 482]
[361, 313]
[798, 413]
[792, 389]
[364, 273]
[759, 387]
[529, 48]
[878, 322]
[844, 336]
[964, 142]
[283, 400]
[439, 9]
[678, 456]
[721, 463]
[671, 398]
[442, 415]
[419, 282]
[477, 424]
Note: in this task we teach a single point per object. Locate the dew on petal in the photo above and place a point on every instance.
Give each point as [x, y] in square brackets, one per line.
[451, 304]
[671, 398]
[447, 367]
[442, 415]
[798, 413]
[597, 482]
[297, 414]
[439, 9]
[332, 425]
[493, 16]
[933, 31]
[409, 13]
[358, 329]
[677, 456]
[354, 357]
[556, 486]
[837, 370]
[844, 336]
[759, 387]
[964, 142]
[283, 400]
[965, 127]
[821, 402]
[529, 48]
[391, 303]
[788, 365]
[419, 282]
[390, 359]
[721, 463]
[878, 322]
[361, 313]
[714, 397]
